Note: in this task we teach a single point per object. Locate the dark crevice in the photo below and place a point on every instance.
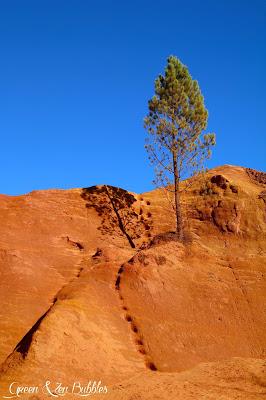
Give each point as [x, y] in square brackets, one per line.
[138, 340]
[98, 253]
[134, 328]
[117, 283]
[24, 345]
[77, 245]
[121, 270]
[78, 274]
[151, 366]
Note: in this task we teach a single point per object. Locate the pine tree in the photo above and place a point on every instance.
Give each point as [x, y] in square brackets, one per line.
[175, 123]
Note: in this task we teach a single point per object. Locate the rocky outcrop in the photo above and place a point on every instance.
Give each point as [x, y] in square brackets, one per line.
[224, 214]
[262, 195]
[257, 176]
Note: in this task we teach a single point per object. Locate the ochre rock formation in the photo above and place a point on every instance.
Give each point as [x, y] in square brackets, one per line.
[95, 286]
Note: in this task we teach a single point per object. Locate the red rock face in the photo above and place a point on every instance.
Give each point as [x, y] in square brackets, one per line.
[257, 176]
[80, 302]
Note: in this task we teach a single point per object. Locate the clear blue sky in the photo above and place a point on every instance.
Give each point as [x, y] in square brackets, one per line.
[75, 77]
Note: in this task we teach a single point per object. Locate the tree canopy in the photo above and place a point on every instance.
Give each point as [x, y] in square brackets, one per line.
[177, 118]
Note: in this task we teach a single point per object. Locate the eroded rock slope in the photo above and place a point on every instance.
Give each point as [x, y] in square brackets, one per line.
[95, 286]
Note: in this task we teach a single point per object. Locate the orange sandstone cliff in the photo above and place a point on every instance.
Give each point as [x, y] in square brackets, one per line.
[94, 286]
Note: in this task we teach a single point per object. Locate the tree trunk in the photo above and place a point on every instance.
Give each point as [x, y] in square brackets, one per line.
[178, 213]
